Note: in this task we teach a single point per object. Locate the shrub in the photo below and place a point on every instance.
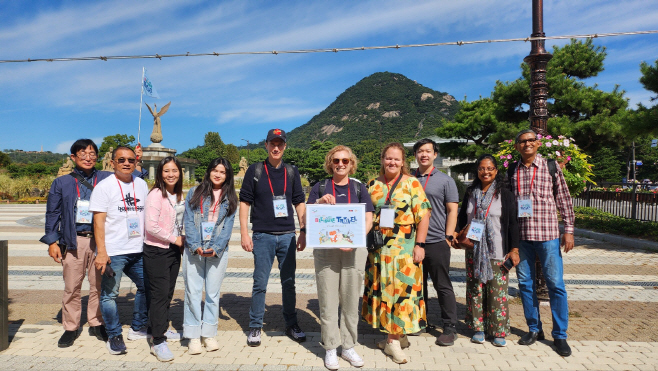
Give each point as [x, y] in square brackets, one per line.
[601, 221]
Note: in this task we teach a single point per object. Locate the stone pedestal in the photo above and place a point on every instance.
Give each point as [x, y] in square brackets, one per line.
[154, 153]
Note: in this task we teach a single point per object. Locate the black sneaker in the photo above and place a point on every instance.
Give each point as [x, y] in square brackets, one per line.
[116, 345]
[67, 339]
[448, 337]
[98, 332]
[253, 340]
[296, 333]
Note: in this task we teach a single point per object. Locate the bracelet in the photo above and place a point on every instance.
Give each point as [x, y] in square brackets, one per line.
[514, 251]
[303, 229]
[420, 244]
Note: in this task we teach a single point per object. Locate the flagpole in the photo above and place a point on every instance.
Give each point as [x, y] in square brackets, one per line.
[141, 103]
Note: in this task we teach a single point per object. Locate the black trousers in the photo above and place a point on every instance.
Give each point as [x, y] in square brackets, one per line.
[161, 266]
[437, 265]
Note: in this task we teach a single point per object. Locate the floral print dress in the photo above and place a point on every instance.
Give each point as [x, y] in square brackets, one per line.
[393, 297]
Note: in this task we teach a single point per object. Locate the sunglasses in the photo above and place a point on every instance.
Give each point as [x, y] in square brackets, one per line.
[121, 160]
[527, 141]
[345, 161]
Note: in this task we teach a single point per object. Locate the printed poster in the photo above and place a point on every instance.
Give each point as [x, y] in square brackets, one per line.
[335, 226]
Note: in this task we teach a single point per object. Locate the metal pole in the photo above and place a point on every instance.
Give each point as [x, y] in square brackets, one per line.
[141, 103]
[538, 61]
[4, 295]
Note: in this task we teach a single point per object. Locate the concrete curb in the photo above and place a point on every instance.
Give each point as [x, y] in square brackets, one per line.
[633, 243]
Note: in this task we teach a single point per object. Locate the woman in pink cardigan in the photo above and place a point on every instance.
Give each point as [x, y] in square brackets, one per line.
[163, 244]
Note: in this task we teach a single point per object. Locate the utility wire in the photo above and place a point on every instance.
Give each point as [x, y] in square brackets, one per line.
[329, 50]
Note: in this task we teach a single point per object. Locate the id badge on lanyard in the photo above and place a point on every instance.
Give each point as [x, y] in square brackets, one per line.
[206, 230]
[280, 206]
[82, 214]
[525, 207]
[524, 202]
[132, 222]
[387, 216]
[475, 231]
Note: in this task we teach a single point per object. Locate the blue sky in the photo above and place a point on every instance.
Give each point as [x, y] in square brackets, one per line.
[54, 103]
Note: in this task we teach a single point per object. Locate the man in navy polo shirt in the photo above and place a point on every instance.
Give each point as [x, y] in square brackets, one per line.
[270, 189]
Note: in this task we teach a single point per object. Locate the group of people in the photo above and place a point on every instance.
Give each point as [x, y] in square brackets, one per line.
[510, 218]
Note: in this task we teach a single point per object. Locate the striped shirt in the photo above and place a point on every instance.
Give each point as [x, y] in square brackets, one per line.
[543, 225]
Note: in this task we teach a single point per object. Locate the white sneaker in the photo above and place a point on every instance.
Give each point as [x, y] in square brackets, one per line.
[394, 350]
[404, 342]
[351, 356]
[210, 344]
[331, 359]
[172, 336]
[136, 335]
[194, 346]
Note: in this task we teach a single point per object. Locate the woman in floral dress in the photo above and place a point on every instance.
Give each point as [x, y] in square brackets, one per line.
[393, 298]
[489, 199]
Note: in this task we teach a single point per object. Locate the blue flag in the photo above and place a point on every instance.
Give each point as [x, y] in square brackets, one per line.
[148, 88]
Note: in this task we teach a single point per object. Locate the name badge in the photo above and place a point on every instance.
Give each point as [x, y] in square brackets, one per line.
[525, 208]
[206, 230]
[387, 216]
[82, 215]
[280, 207]
[475, 231]
[133, 227]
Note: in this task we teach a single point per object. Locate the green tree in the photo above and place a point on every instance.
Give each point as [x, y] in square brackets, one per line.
[594, 118]
[233, 156]
[214, 142]
[644, 120]
[608, 164]
[115, 141]
[368, 153]
[4, 160]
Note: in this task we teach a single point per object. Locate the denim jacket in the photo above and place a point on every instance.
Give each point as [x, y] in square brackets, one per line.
[192, 220]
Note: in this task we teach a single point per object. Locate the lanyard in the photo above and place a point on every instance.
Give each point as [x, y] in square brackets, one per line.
[475, 209]
[349, 196]
[216, 203]
[123, 198]
[78, 188]
[388, 195]
[518, 179]
[285, 181]
[428, 177]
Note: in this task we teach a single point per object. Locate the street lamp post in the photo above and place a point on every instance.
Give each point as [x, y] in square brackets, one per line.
[538, 60]
[248, 150]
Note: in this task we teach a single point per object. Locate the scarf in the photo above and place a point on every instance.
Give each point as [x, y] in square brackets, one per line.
[484, 249]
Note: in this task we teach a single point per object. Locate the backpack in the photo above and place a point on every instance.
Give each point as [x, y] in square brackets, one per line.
[258, 171]
[356, 183]
[552, 169]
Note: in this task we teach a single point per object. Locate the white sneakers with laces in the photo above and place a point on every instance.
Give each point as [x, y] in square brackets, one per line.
[351, 356]
[331, 359]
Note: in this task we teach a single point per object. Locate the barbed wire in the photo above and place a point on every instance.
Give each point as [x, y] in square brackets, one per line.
[329, 50]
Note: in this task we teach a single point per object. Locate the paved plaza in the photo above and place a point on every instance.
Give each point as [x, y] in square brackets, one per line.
[613, 305]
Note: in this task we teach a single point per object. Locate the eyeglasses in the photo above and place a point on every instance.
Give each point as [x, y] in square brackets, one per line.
[483, 169]
[527, 141]
[344, 160]
[84, 156]
[121, 160]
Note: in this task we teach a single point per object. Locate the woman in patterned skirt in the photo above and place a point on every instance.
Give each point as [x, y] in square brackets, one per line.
[393, 297]
[489, 201]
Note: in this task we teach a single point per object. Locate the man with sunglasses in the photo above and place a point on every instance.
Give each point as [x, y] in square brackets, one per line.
[70, 239]
[270, 189]
[441, 190]
[538, 198]
[118, 205]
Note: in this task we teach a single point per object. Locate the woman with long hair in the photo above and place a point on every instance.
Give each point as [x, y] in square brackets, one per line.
[209, 215]
[339, 271]
[393, 300]
[163, 244]
[489, 203]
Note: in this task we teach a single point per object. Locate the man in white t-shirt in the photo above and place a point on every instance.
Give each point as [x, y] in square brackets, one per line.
[118, 205]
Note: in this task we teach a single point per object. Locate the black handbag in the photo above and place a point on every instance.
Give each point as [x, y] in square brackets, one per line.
[375, 238]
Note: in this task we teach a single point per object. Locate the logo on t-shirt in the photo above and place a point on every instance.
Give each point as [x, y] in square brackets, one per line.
[131, 202]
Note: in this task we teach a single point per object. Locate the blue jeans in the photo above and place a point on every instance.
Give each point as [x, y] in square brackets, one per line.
[550, 257]
[202, 273]
[132, 265]
[266, 247]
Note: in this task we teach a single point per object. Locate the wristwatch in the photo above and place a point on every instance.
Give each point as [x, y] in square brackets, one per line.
[450, 237]
[303, 229]
[421, 244]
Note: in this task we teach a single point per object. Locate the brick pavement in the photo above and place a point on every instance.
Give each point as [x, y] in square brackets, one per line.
[612, 317]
